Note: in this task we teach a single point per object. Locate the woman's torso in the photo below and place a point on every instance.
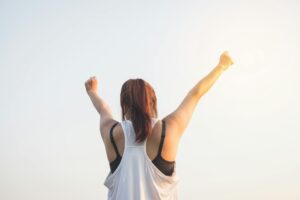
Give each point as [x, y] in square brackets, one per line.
[169, 148]
[139, 178]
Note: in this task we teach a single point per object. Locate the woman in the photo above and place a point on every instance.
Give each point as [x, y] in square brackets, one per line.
[141, 149]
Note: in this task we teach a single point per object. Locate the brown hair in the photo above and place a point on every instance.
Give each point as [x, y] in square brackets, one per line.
[138, 100]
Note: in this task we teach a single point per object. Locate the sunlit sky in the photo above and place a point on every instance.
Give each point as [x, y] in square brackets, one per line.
[243, 141]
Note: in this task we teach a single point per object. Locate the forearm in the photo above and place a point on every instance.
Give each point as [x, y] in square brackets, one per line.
[100, 105]
[206, 83]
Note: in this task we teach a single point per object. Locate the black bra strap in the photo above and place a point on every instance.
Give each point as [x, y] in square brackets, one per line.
[162, 137]
[112, 139]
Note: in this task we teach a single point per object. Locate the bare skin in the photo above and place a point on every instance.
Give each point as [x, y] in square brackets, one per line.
[176, 121]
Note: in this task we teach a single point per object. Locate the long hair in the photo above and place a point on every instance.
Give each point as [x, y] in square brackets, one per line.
[138, 100]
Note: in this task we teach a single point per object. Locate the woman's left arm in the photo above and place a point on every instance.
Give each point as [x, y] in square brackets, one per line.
[106, 118]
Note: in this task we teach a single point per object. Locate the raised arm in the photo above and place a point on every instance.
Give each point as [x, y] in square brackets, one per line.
[106, 118]
[179, 119]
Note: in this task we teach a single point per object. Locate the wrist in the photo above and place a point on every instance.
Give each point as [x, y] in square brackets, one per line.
[221, 67]
[92, 93]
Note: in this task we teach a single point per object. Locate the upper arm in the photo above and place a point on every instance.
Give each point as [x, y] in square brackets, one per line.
[106, 122]
[179, 119]
[105, 126]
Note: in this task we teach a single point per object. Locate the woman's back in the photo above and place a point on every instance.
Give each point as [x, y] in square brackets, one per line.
[136, 176]
[169, 148]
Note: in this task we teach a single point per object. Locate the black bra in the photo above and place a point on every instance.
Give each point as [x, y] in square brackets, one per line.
[165, 166]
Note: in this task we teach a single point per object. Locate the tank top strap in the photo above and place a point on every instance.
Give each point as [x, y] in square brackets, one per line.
[112, 139]
[163, 134]
[154, 121]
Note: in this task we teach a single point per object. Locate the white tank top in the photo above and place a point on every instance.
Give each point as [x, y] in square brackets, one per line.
[136, 177]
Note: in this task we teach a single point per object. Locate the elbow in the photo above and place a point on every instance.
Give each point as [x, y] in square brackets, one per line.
[196, 92]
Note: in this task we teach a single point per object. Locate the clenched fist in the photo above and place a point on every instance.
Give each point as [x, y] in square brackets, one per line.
[225, 60]
[91, 85]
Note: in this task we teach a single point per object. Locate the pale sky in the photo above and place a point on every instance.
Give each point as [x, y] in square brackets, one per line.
[243, 141]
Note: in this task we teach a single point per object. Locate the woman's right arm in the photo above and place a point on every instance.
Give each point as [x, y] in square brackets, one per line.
[179, 119]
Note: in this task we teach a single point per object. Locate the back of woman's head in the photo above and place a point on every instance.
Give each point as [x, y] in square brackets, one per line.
[138, 101]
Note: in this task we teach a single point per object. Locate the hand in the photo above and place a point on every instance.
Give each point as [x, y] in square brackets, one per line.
[225, 60]
[91, 85]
